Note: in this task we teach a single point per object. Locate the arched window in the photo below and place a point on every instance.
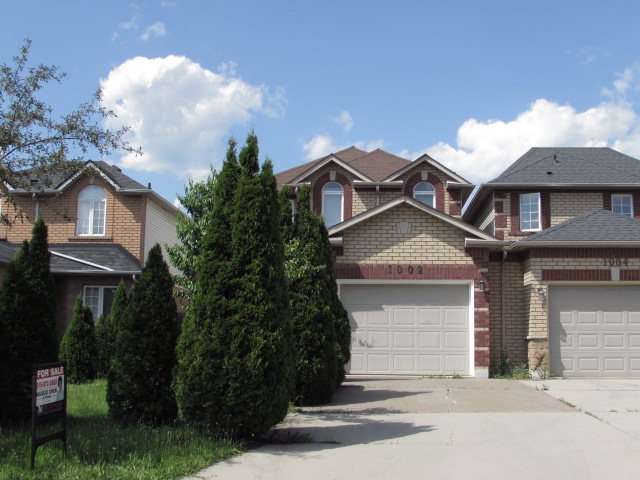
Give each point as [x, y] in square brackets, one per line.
[92, 208]
[332, 203]
[425, 193]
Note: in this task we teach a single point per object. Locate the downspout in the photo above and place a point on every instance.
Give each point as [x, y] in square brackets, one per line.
[503, 300]
[377, 195]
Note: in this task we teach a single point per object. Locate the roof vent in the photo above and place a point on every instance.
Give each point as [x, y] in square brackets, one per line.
[34, 181]
[549, 173]
[116, 167]
[149, 186]
[555, 158]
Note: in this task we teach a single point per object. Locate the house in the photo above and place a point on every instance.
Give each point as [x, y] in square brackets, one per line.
[101, 225]
[541, 265]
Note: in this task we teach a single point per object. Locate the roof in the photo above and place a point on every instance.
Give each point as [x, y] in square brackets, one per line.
[572, 166]
[82, 258]
[563, 167]
[59, 178]
[376, 166]
[595, 226]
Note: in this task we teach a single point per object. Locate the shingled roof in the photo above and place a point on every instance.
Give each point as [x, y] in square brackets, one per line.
[58, 178]
[376, 165]
[82, 258]
[572, 166]
[597, 225]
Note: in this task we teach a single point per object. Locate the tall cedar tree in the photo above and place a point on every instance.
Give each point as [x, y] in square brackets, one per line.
[339, 313]
[27, 333]
[106, 329]
[246, 380]
[203, 342]
[313, 322]
[139, 384]
[79, 347]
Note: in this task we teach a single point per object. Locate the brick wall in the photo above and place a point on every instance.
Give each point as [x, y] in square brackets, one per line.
[567, 264]
[566, 205]
[431, 240]
[124, 222]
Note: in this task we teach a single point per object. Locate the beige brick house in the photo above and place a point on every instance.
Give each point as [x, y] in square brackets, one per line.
[101, 225]
[538, 266]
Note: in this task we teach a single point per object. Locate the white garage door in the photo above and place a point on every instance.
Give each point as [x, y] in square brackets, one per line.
[594, 331]
[408, 329]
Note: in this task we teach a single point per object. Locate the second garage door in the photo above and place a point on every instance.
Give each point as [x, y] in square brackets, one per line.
[413, 329]
[594, 331]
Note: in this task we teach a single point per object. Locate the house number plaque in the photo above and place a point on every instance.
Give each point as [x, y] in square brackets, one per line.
[615, 261]
[410, 269]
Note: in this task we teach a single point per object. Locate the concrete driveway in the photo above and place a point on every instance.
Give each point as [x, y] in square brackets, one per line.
[446, 429]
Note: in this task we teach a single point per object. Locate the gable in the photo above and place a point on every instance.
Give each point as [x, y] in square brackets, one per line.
[404, 234]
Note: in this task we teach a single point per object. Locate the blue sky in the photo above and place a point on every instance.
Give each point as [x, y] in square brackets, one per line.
[473, 83]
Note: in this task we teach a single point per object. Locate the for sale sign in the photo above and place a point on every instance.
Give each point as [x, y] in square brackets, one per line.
[48, 404]
[50, 389]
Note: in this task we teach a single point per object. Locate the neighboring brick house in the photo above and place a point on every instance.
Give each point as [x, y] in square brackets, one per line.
[570, 269]
[101, 225]
[423, 284]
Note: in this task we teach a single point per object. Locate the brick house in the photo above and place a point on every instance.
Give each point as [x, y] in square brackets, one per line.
[424, 284]
[101, 225]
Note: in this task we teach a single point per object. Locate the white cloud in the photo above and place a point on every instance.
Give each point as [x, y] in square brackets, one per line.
[485, 149]
[344, 119]
[322, 145]
[179, 112]
[156, 30]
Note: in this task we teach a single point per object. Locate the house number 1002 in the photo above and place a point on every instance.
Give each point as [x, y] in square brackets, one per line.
[410, 269]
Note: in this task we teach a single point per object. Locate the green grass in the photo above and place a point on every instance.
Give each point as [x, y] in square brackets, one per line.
[98, 448]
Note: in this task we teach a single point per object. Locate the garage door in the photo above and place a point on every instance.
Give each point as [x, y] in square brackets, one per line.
[594, 331]
[408, 329]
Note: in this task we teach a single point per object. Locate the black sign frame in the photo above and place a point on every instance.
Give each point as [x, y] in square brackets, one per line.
[55, 411]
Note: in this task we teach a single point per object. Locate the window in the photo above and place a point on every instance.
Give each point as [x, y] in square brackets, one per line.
[622, 204]
[99, 300]
[529, 212]
[332, 203]
[92, 207]
[425, 193]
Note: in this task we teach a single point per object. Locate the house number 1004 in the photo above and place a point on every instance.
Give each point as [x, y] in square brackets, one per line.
[614, 261]
[410, 269]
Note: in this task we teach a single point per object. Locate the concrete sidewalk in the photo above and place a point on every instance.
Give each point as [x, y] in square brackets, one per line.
[467, 428]
[614, 401]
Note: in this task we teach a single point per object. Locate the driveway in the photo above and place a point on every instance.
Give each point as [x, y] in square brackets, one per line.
[444, 429]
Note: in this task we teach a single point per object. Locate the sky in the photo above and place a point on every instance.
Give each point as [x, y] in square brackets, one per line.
[474, 84]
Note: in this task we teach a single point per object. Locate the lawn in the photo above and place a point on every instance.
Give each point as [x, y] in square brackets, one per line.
[98, 448]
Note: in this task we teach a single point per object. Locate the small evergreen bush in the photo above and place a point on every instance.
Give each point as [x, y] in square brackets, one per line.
[79, 347]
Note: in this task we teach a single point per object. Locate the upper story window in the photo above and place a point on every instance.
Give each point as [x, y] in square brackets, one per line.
[425, 193]
[332, 203]
[92, 208]
[622, 204]
[530, 212]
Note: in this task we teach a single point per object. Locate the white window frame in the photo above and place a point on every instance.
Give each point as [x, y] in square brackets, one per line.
[528, 220]
[621, 196]
[98, 309]
[90, 199]
[333, 193]
[430, 191]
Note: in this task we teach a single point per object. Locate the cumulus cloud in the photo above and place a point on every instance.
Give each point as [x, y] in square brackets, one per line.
[179, 112]
[485, 149]
[155, 30]
[322, 145]
[344, 119]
